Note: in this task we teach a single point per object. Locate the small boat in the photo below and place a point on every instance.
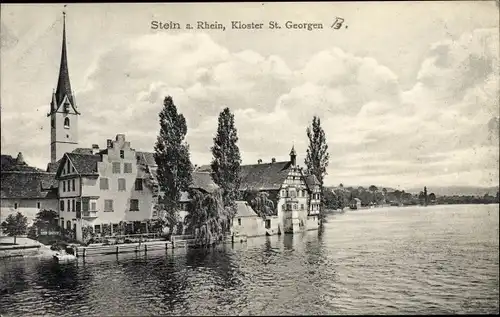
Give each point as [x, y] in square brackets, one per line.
[58, 257]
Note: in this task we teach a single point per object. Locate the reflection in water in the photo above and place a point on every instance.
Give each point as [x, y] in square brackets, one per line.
[383, 261]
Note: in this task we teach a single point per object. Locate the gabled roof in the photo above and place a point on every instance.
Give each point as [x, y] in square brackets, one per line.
[312, 180]
[84, 164]
[15, 184]
[145, 158]
[264, 176]
[203, 180]
[244, 210]
[82, 150]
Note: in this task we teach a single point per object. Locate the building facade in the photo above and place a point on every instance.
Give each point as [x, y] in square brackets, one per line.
[25, 189]
[101, 189]
[294, 196]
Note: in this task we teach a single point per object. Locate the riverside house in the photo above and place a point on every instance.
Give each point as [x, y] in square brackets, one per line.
[25, 189]
[101, 188]
[295, 195]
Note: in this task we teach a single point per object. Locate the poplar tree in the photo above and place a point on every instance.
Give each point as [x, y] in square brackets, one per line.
[317, 153]
[226, 159]
[173, 160]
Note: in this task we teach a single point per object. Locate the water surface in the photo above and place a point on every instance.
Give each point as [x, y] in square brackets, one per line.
[411, 260]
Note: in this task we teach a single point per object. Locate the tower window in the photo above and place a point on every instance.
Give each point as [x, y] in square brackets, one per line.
[66, 123]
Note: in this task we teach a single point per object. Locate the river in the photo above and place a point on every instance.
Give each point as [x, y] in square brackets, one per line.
[410, 260]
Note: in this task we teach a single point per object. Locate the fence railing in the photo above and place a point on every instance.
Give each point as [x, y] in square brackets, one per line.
[133, 237]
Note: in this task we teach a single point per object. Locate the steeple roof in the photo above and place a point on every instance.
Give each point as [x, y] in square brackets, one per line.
[63, 84]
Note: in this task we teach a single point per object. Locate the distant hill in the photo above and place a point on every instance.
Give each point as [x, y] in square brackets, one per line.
[457, 190]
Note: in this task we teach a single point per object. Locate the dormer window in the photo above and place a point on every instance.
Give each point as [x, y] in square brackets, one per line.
[66, 107]
[66, 123]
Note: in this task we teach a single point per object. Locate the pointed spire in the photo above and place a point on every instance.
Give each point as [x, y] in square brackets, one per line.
[293, 156]
[292, 152]
[63, 84]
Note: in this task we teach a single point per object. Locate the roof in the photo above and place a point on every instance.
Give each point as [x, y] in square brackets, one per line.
[145, 158]
[203, 180]
[9, 163]
[312, 180]
[84, 164]
[357, 199]
[17, 184]
[264, 176]
[82, 150]
[244, 210]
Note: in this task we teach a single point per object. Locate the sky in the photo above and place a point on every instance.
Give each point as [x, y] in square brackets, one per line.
[407, 93]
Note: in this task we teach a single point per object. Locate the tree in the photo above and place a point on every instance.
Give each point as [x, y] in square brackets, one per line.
[260, 203]
[226, 159]
[373, 189]
[432, 197]
[207, 218]
[317, 153]
[46, 219]
[425, 196]
[15, 225]
[173, 161]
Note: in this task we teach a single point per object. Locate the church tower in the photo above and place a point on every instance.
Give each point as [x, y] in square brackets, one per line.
[63, 111]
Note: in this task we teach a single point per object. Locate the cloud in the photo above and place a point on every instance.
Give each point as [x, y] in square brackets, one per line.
[445, 123]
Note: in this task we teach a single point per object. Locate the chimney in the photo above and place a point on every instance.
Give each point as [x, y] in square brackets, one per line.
[109, 143]
[273, 160]
[95, 148]
[20, 159]
[259, 161]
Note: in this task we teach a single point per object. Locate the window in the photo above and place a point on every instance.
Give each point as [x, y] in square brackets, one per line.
[93, 206]
[68, 225]
[104, 183]
[283, 207]
[38, 205]
[64, 186]
[127, 167]
[301, 206]
[134, 204]
[61, 205]
[239, 221]
[283, 193]
[295, 206]
[122, 154]
[138, 184]
[268, 223]
[121, 184]
[15, 205]
[116, 167]
[73, 203]
[97, 228]
[62, 223]
[78, 206]
[85, 204]
[66, 123]
[108, 205]
[73, 184]
[69, 205]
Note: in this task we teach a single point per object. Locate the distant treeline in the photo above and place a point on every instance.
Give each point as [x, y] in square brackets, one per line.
[341, 197]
